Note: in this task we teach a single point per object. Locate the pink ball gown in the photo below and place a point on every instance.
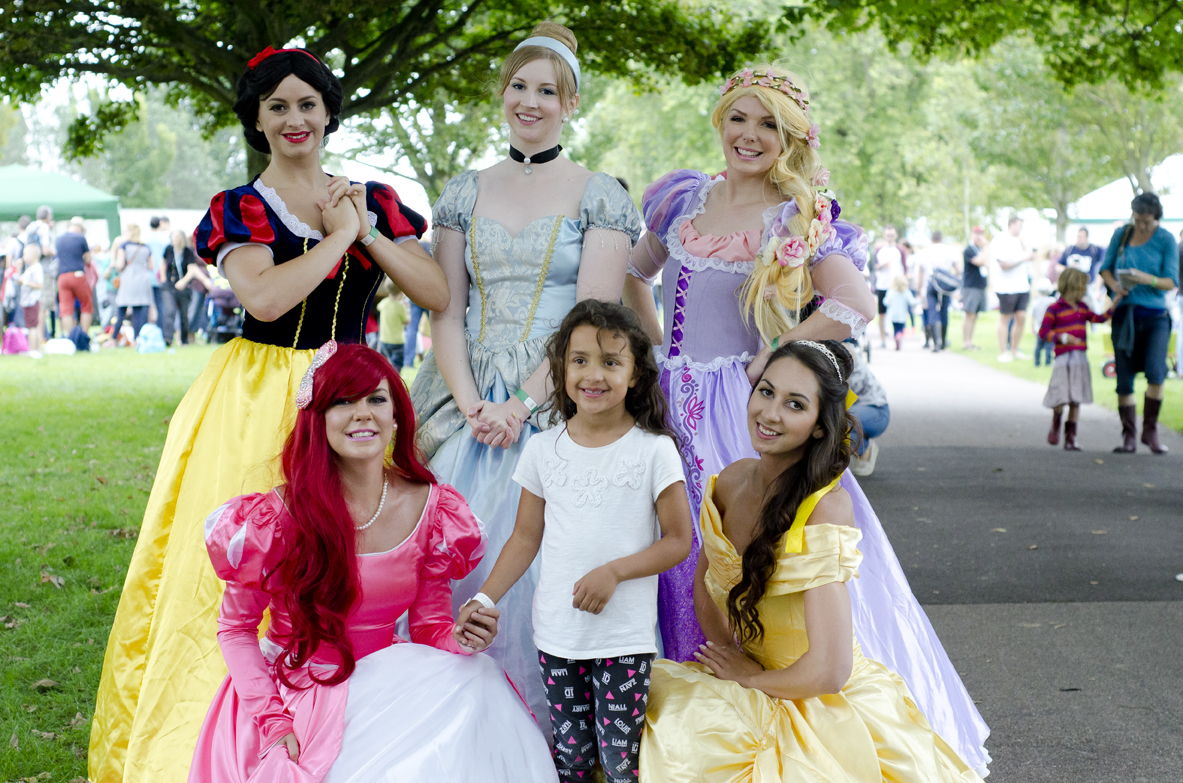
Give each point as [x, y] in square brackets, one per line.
[412, 711]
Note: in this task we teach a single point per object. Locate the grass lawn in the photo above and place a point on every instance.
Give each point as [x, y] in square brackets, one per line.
[985, 335]
[82, 439]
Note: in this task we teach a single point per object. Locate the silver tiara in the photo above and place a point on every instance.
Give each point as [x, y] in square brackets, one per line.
[829, 355]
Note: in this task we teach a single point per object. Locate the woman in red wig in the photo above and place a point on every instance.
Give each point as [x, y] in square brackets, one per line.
[358, 533]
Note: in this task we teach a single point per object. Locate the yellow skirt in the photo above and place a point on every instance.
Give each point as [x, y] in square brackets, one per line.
[700, 729]
[163, 664]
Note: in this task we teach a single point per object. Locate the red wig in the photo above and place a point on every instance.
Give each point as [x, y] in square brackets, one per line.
[317, 580]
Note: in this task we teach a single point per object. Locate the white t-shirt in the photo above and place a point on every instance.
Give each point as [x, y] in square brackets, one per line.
[936, 256]
[889, 264]
[1015, 280]
[599, 507]
[33, 275]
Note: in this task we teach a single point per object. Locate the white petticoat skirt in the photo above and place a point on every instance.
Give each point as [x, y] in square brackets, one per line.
[416, 713]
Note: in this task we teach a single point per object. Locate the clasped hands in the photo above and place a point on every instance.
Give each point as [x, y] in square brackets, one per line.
[345, 209]
[497, 424]
[476, 626]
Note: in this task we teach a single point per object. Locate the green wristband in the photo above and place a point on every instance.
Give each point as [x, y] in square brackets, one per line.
[526, 399]
[775, 342]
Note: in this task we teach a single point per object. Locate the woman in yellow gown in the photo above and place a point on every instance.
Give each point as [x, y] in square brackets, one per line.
[304, 253]
[795, 700]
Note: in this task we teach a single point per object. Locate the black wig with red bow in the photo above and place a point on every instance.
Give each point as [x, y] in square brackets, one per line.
[264, 73]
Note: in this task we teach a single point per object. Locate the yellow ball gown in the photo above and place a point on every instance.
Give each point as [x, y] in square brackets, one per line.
[706, 730]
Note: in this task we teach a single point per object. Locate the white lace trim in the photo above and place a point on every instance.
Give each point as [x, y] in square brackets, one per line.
[632, 270]
[694, 263]
[290, 221]
[836, 311]
[682, 361]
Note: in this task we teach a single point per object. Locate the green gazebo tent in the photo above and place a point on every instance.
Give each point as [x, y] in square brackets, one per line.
[23, 189]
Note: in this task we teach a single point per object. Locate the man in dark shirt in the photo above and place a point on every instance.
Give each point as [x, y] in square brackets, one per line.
[73, 254]
[1084, 256]
[973, 285]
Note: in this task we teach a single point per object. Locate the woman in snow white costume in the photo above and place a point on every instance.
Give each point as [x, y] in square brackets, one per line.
[750, 260]
[304, 253]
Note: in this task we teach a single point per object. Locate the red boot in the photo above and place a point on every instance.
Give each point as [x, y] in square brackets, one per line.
[1070, 436]
[1129, 429]
[1150, 408]
[1053, 435]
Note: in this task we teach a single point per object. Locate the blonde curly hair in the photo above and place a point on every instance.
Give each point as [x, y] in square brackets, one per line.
[772, 294]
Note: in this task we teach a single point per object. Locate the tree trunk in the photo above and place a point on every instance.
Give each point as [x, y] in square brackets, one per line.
[255, 162]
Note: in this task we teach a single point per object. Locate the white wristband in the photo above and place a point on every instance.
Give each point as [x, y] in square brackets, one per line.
[484, 600]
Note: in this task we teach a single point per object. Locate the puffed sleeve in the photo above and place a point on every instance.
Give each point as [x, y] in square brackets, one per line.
[393, 219]
[244, 539]
[606, 205]
[455, 545]
[234, 216]
[453, 209]
[847, 240]
[669, 198]
[829, 554]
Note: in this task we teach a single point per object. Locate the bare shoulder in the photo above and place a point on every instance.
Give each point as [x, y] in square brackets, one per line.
[731, 481]
[835, 508]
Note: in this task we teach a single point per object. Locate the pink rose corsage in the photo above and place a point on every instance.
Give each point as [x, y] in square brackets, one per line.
[814, 142]
[792, 252]
[821, 178]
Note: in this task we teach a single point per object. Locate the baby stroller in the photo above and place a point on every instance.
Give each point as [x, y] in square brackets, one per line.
[224, 315]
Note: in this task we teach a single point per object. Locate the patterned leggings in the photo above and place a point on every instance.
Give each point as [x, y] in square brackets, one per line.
[597, 702]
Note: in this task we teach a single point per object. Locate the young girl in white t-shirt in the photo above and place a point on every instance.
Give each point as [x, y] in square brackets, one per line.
[603, 497]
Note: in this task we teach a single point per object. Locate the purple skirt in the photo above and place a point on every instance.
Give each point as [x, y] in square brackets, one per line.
[708, 405]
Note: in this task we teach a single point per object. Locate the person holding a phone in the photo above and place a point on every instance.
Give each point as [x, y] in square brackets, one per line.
[1140, 266]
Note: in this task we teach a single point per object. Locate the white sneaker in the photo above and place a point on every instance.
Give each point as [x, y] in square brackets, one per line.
[865, 466]
[34, 354]
[1021, 355]
[1005, 357]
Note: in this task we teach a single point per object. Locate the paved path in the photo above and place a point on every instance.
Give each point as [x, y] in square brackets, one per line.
[1049, 575]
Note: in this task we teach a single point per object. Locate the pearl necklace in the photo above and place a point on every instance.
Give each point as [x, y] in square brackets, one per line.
[381, 503]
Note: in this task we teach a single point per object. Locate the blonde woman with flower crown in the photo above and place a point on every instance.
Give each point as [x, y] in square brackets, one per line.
[750, 260]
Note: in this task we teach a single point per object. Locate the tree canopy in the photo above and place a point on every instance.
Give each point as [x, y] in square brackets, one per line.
[1137, 42]
[386, 52]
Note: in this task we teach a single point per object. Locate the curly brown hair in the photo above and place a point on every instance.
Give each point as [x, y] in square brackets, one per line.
[645, 401]
[824, 459]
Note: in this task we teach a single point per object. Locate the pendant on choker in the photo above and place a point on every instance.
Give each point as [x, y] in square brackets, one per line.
[541, 157]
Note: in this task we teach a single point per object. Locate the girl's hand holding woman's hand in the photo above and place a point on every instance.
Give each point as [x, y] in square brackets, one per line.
[727, 663]
[476, 626]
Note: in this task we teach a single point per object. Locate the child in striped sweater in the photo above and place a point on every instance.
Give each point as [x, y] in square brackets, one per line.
[1064, 326]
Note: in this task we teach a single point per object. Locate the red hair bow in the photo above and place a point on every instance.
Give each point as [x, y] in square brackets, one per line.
[263, 55]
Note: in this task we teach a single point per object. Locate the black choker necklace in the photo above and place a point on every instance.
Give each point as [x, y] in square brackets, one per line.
[542, 157]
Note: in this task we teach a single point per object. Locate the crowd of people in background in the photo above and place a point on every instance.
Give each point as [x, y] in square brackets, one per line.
[1134, 281]
[56, 285]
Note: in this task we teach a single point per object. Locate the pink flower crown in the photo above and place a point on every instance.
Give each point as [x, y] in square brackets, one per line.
[747, 78]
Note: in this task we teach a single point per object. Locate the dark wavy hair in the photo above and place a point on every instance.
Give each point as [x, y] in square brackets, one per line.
[824, 459]
[257, 83]
[645, 401]
[317, 581]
